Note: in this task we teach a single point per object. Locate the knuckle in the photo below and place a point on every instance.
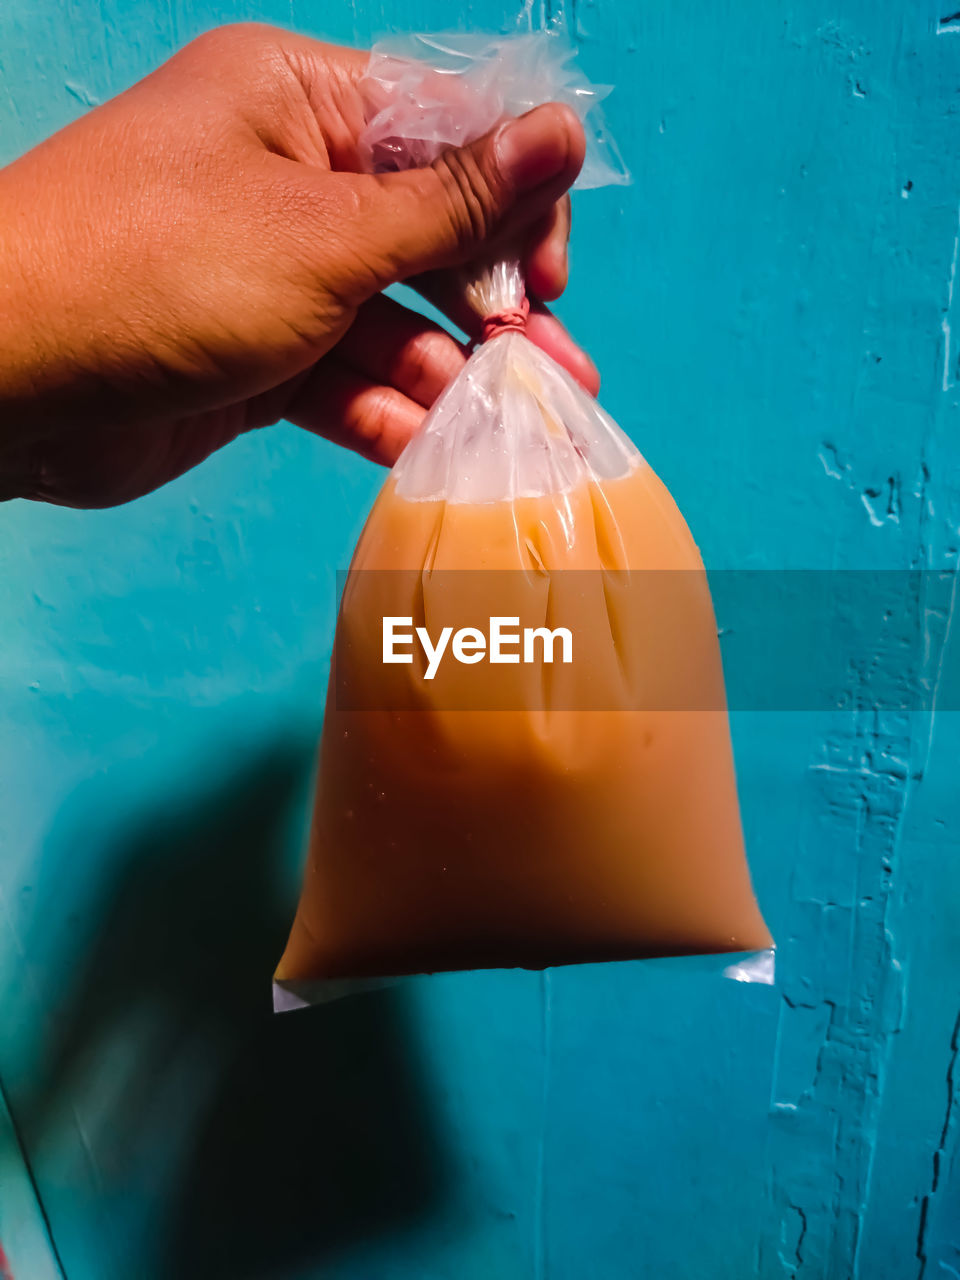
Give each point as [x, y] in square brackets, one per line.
[423, 361]
[470, 199]
[247, 48]
[375, 415]
[229, 36]
[215, 43]
[412, 364]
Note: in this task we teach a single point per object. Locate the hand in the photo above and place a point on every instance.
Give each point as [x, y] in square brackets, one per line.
[201, 256]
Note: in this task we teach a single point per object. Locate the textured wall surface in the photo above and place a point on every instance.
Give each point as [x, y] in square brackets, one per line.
[775, 309]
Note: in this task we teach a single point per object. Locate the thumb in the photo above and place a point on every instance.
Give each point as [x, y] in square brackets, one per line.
[468, 200]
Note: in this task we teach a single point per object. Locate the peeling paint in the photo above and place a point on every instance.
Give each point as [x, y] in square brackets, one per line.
[81, 94]
[857, 986]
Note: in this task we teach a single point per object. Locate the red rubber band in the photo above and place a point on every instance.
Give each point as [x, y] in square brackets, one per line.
[511, 320]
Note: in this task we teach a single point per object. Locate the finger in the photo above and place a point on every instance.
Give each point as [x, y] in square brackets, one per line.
[445, 290]
[356, 412]
[544, 329]
[394, 346]
[394, 225]
[545, 260]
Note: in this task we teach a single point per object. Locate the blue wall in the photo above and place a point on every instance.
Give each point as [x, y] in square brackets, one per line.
[773, 304]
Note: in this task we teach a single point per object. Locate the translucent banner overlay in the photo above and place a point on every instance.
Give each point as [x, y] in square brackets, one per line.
[655, 640]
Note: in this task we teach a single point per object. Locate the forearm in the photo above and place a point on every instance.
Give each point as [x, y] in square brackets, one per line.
[22, 354]
[77, 348]
[48, 318]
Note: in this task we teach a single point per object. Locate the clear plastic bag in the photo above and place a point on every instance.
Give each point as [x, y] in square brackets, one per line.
[480, 812]
[428, 93]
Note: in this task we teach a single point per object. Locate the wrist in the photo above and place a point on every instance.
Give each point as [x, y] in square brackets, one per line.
[19, 354]
[54, 338]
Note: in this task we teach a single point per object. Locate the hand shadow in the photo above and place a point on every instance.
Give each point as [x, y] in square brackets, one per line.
[272, 1141]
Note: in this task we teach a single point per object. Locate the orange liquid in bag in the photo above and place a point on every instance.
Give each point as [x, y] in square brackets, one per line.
[526, 814]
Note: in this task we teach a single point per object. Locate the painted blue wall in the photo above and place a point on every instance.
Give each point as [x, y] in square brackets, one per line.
[774, 309]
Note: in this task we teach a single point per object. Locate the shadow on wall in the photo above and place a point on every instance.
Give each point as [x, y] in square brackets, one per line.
[277, 1141]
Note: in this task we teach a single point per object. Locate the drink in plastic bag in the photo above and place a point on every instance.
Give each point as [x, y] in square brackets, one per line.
[542, 807]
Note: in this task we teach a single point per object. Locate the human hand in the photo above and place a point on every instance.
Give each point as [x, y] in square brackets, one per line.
[201, 256]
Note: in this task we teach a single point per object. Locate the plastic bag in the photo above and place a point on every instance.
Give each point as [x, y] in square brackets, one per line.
[427, 93]
[537, 807]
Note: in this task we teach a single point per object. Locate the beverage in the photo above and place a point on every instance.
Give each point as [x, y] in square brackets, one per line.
[526, 814]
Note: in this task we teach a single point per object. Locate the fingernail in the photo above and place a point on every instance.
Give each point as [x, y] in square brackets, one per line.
[533, 148]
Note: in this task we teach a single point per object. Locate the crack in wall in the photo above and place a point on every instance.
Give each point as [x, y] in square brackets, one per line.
[953, 1089]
